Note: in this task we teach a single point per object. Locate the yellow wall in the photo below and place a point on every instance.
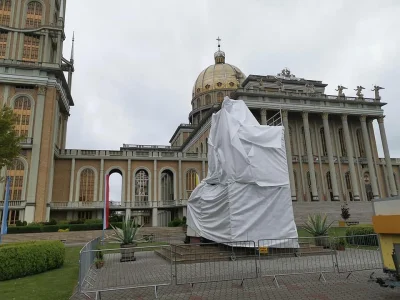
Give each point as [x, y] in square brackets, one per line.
[387, 241]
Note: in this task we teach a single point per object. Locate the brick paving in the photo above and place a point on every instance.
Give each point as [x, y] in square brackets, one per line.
[150, 269]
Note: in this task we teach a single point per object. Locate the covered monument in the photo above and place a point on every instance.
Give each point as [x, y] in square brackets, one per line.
[246, 194]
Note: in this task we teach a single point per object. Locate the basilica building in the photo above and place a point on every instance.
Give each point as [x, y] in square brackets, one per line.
[330, 143]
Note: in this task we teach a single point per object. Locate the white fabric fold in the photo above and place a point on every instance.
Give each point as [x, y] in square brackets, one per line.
[246, 194]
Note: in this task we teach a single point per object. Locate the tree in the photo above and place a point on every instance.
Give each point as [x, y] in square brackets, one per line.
[9, 140]
[345, 212]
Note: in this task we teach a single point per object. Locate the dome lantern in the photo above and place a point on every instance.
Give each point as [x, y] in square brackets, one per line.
[219, 56]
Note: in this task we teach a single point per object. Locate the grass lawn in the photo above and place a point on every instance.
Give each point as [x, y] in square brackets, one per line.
[51, 285]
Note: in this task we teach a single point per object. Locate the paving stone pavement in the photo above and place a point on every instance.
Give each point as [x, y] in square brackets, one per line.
[150, 268]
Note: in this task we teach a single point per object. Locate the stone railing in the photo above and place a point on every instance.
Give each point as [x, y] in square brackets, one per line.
[142, 153]
[117, 205]
[14, 204]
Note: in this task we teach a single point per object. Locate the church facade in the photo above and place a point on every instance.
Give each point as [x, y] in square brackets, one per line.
[330, 143]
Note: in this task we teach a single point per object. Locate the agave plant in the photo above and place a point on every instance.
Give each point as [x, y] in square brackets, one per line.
[317, 225]
[127, 234]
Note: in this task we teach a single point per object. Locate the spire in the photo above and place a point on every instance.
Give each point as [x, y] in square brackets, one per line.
[72, 48]
[219, 56]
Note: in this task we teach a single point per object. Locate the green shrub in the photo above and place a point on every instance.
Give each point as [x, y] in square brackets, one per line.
[50, 228]
[362, 236]
[94, 221]
[175, 223]
[80, 221]
[24, 229]
[28, 258]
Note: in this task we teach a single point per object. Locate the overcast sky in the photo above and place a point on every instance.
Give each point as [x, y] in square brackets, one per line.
[136, 61]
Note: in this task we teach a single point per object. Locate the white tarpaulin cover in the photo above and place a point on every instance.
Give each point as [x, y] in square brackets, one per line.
[246, 194]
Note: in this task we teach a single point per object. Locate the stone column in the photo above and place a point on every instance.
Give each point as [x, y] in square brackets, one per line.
[350, 157]
[154, 217]
[101, 174]
[71, 181]
[155, 184]
[180, 180]
[329, 148]
[128, 188]
[392, 184]
[263, 116]
[203, 169]
[310, 157]
[367, 146]
[289, 154]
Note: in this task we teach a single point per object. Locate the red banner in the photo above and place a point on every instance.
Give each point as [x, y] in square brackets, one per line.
[106, 202]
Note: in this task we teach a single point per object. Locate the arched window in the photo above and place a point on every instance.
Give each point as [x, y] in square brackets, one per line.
[329, 184]
[194, 104]
[5, 12]
[198, 102]
[192, 180]
[34, 15]
[16, 172]
[323, 141]
[31, 48]
[342, 144]
[303, 137]
[167, 185]
[86, 185]
[142, 186]
[22, 111]
[360, 142]
[201, 148]
[206, 150]
[220, 97]
[347, 178]
[208, 99]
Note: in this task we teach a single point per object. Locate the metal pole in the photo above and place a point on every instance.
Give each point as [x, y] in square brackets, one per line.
[5, 209]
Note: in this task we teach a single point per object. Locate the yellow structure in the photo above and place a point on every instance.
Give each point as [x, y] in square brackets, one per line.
[386, 222]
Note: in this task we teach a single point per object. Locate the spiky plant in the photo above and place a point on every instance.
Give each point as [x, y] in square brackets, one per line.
[317, 225]
[126, 235]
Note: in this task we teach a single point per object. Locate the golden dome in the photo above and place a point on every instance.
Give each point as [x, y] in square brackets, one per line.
[220, 76]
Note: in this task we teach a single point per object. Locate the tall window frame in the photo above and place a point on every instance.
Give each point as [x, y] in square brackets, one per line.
[87, 185]
[16, 172]
[347, 179]
[5, 12]
[360, 143]
[34, 14]
[23, 111]
[323, 141]
[30, 52]
[142, 186]
[220, 97]
[191, 181]
[167, 182]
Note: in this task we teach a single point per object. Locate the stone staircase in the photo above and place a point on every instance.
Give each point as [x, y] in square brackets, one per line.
[194, 253]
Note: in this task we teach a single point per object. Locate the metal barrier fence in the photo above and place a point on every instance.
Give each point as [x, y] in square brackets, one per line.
[360, 253]
[180, 264]
[208, 262]
[128, 268]
[86, 259]
[295, 256]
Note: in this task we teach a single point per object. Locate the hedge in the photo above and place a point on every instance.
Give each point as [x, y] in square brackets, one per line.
[55, 228]
[28, 258]
[363, 236]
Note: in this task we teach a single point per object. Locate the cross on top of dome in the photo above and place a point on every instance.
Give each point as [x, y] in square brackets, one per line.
[219, 56]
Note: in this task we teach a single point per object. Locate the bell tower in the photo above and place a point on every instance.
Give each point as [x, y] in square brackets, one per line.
[33, 83]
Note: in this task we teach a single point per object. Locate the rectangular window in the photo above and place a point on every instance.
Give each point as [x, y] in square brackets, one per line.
[5, 12]
[31, 48]
[3, 44]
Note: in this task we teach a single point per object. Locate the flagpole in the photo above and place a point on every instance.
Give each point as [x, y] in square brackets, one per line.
[5, 208]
